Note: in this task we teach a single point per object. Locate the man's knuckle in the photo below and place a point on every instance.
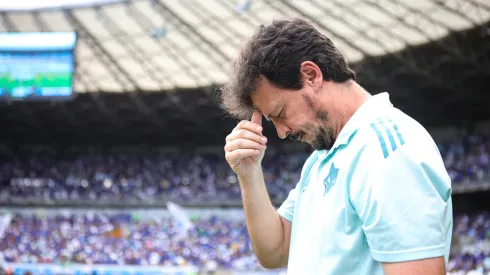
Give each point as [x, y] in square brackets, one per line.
[229, 155]
[231, 136]
[240, 143]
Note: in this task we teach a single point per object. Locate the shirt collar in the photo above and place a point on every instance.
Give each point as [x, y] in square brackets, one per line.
[370, 108]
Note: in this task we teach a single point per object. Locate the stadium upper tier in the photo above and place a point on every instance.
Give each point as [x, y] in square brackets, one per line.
[159, 45]
[189, 179]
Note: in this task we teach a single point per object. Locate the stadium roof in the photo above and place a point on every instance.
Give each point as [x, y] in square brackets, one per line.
[433, 57]
[30, 5]
[160, 45]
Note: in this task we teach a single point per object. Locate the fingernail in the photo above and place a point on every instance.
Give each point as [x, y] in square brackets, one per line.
[263, 139]
[259, 128]
[257, 152]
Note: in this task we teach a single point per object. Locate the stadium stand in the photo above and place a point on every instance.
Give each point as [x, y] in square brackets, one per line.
[85, 181]
[183, 178]
[127, 240]
[472, 235]
[178, 177]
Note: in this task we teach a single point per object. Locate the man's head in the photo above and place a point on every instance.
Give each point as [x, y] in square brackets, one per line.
[291, 73]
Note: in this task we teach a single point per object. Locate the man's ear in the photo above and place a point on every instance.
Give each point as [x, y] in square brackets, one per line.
[310, 74]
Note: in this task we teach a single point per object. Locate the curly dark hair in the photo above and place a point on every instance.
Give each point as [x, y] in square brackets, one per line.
[276, 51]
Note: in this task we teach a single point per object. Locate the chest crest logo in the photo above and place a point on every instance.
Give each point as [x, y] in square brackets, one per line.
[331, 178]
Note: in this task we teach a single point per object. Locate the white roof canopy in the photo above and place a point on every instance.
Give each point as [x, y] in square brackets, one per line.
[166, 44]
[27, 5]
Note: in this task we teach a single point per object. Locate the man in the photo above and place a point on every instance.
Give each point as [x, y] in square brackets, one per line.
[373, 198]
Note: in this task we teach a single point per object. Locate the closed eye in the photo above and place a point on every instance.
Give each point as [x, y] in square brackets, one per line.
[280, 115]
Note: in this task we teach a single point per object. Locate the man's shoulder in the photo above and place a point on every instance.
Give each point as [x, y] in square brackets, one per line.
[310, 161]
[389, 144]
[382, 135]
[390, 137]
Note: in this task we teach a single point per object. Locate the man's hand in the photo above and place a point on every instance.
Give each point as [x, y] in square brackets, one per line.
[269, 233]
[245, 146]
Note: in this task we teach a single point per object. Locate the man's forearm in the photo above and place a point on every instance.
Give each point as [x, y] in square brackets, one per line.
[263, 222]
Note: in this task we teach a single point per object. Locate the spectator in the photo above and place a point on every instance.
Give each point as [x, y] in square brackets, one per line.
[178, 177]
[126, 239]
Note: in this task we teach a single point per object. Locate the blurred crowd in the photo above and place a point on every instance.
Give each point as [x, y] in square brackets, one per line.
[470, 245]
[100, 238]
[176, 177]
[212, 243]
[467, 159]
[179, 177]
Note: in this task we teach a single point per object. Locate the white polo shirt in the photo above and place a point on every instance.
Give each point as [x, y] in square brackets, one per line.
[381, 194]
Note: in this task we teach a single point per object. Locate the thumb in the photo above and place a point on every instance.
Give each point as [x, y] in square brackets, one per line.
[257, 117]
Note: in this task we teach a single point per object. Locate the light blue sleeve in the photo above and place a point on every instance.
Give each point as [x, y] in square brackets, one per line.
[403, 205]
[286, 210]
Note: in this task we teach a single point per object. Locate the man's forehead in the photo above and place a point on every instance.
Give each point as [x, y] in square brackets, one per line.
[266, 112]
[266, 97]
[262, 104]
[263, 97]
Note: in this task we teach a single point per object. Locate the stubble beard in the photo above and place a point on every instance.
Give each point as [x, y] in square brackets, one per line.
[324, 138]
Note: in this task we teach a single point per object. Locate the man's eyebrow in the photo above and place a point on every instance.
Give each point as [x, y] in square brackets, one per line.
[267, 117]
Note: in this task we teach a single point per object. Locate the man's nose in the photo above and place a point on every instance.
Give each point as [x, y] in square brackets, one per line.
[282, 130]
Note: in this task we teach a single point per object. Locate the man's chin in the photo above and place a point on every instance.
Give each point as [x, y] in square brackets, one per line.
[313, 145]
[321, 145]
[318, 144]
[316, 147]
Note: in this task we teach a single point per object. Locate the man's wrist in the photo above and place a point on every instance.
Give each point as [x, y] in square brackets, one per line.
[250, 178]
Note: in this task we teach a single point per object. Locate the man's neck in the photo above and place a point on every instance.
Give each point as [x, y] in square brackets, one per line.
[353, 96]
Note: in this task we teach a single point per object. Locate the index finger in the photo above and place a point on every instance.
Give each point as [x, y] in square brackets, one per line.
[257, 118]
[250, 126]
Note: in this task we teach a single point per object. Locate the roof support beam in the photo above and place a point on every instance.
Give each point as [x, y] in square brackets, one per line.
[173, 49]
[192, 31]
[472, 57]
[136, 53]
[215, 54]
[451, 49]
[127, 42]
[442, 4]
[409, 63]
[185, 110]
[114, 67]
[229, 34]
[451, 46]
